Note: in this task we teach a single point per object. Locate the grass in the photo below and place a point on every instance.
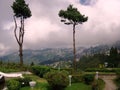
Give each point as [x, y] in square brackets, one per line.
[45, 86]
[78, 86]
[42, 84]
[39, 86]
[101, 84]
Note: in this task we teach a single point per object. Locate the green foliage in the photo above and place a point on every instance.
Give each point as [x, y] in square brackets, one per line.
[13, 85]
[115, 70]
[38, 86]
[117, 80]
[98, 84]
[113, 51]
[57, 79]
[73, 15]
[32, 64]
[78, 86]
[40, 70]
[93, 61]
[76, 78]
[98, 60]
[24, 81]
[21, 9]
[114, 58]
[12, 67]
[88, 78]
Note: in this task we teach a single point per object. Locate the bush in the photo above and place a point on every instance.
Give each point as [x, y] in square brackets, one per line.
[98, 84]
[77, 78]
[88, 78]
[40, 70]
[24, 81]
[13, 85]
[117, 80]
[103, 70]
[57, 79]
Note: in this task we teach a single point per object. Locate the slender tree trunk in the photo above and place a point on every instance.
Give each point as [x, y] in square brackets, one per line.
[19, 37]
[21, 54]
[74, 49]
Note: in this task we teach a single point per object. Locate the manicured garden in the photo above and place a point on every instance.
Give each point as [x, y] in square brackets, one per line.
[47, 78]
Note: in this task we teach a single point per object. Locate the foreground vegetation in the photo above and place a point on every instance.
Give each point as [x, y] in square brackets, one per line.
[12, 67]
[48, 78]
[117, 80]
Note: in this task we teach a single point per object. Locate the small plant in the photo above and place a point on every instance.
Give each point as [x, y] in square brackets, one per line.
[88, 78]
[77, 78]
[98, 84]
[24, 81]
[13, 84]
[117, 80]
[40, 70]
[57, 79]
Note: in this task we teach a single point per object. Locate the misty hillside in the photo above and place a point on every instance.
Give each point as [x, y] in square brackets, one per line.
[43, 55]
[51, 55]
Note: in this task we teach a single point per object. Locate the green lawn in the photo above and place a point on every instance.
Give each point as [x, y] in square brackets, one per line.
[41, 83]
[39, 86]
[78, 86]
[45, 86]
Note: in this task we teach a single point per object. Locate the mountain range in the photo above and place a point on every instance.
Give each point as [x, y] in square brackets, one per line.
[51, 55]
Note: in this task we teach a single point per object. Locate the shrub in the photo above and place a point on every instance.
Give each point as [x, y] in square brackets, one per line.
[117, 81]
[13, 85]
[40, 70]
[57, 79]
[98, 84]
[24, 81]
[88, 78]
[103, 69]
[77, 78]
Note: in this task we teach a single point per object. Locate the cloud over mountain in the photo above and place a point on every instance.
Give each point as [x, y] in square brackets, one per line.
[44, 28]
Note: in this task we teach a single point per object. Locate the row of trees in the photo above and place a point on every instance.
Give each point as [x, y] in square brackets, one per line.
[71, 16]
[99, 60]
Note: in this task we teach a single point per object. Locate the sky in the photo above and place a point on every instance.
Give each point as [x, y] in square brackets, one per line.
[44, 29]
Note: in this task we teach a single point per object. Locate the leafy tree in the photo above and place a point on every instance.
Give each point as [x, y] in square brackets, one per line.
[73, 17]
[113, 51]
[22, 12]
[114, 58]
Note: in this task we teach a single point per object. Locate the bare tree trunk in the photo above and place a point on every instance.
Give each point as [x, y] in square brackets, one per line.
[19, 37]
[74, 49]
[21, 54]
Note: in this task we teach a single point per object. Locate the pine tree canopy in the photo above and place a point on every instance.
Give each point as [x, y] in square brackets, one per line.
[73, 15]
[21, 9]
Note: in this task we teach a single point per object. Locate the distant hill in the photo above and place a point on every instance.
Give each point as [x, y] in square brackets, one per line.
[43, 56]
[100, 49]
[52, 55]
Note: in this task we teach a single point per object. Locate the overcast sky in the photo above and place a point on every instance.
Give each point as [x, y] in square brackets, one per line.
[44, 29]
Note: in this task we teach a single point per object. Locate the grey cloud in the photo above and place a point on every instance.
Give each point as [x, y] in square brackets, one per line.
[44, 28]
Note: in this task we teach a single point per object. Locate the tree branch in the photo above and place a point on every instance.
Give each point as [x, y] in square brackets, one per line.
[15, 30]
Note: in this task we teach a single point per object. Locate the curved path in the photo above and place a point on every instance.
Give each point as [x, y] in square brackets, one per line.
[16, 74]
[108, 79]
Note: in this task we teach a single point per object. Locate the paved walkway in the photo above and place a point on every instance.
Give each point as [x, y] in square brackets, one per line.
[16, 74]
[109, 84]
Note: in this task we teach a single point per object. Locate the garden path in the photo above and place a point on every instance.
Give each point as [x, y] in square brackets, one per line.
[109, 84]
[15, 74]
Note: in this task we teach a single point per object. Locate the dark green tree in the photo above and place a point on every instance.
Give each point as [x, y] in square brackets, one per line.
[114, 57]
[22, 12]
[73, 17]
[113, 51]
